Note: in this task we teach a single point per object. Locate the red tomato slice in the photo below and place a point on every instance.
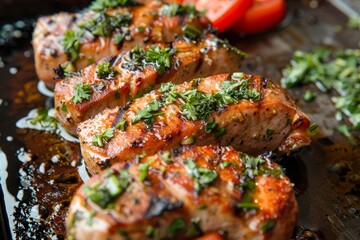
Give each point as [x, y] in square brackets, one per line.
[262, 15]
[210, 236]
[222, 13]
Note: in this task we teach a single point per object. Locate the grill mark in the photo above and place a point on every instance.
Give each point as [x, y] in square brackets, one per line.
[120, 113]
[158, 205]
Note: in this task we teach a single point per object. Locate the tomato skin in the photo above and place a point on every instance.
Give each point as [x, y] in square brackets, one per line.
[211, 236]
[221, 13]
[224, 13]
[262, 15]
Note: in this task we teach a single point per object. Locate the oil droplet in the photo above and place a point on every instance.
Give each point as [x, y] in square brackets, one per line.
[13, 70]
[24, 156]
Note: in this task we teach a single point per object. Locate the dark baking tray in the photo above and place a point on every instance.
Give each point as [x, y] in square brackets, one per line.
[35, 193]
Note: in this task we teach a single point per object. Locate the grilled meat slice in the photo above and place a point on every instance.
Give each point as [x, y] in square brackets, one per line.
[249, 113]
[82, 38]
[132, 76]
[185, 193]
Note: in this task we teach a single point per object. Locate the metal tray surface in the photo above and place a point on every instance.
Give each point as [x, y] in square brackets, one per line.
[39, 171]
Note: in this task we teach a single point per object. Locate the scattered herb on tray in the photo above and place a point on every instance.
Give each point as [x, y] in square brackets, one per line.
[328, 70]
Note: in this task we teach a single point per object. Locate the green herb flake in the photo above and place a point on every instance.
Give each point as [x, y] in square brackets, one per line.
[313, 129]
[105, 71]
[344, 129]
[194, 230]
[191, 32]
[99, 139]
[82, 92]
[159, 58]
[309, 96]
[224, 164]
[119, 38]
[104, 193]
[175, 9]
[148, 113]
[220, 132]
[63, 107]
[267, 225]
[71, 43]
[247, 206]
[91, 217]
[329, 70]
[43, 118]
[269, 132]
[176, 227]
[151, 232]
[202, 176]
[202, 206]
[166, 157]
[143, 169]
[353, 22]
[122, 124]
[188, 140]
[101, 5]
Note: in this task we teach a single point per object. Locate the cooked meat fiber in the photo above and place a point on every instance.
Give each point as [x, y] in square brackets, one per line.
[185, 193]
[137, 71]
[249, 113]
[80, 39]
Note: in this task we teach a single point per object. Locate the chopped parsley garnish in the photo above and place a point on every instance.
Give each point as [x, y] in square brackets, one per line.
[151, 232]
[122, 124]
[159, 58]
[99, 139]
[102, 24]
[269, 132]
[188, 140]
[353, 22]
[199, 106]
[82, 92]
[267, 225]
[344, 129]
[119, 38]
[176, 227]
[175, 9]
[166, 157]
[71, 43]
[191, 32]
[143, 169]
[313, 129]
[309, 96]
[202, 176]
[91, 217]
[101, 5]
[43, 118]
[103, 194]
[148, 113]
[194, 230]
[105, 71]
[327, 70]
[63, 107]
[224, 164]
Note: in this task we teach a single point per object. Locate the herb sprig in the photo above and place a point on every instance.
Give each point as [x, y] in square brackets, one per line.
[105, 71]
[82, 92]
[101, 5]
[158, 57]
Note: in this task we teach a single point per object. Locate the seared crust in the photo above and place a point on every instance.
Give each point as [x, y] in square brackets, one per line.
[191, 60]
[49, 32]
[251, 126]
[169, 193]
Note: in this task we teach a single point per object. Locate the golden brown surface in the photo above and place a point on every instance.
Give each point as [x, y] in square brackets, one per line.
[169, 193]
[246, 123]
